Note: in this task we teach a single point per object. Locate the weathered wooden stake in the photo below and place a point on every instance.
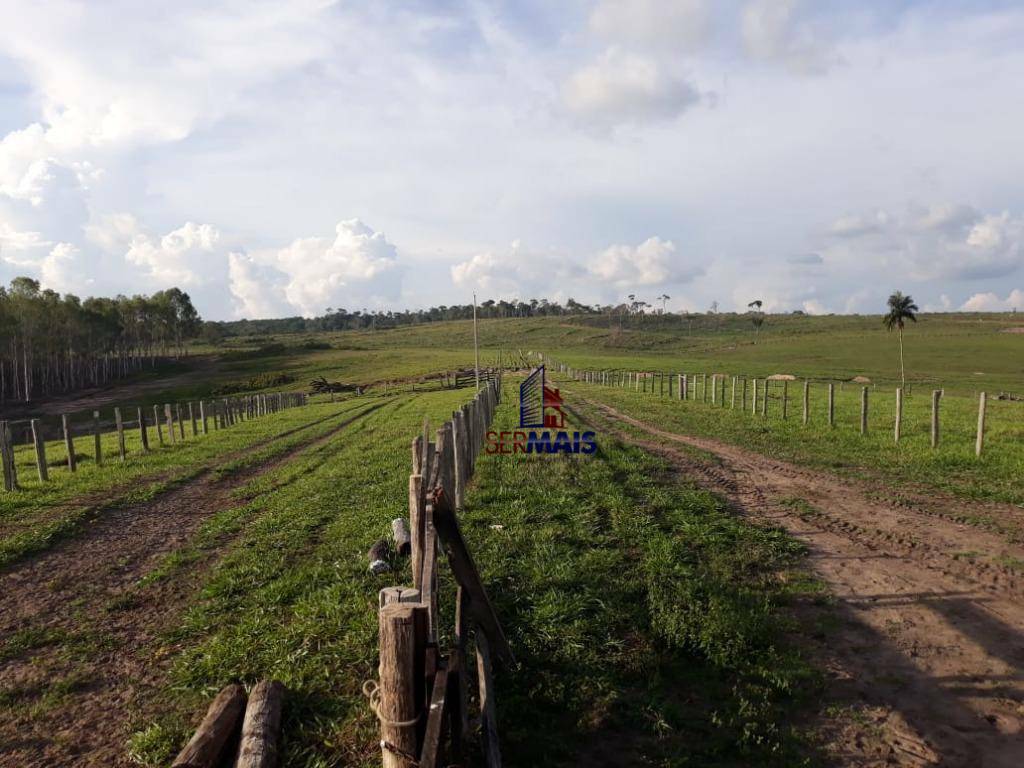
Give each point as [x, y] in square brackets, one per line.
[831, 404]
[69, 443]
[192, 418]
[120, 434]
[399, 707]
[7, 457]
[96, 437]
[732, 396]
[143, 435]
[261, 727]
[488, 708]
[169, 416]
[785, 400]
[181, 423]
[980, 441]
[40, 446]
[936, 394]
[158, 424]
[807, 401]
[764, 400]
[754, 398]
[209, 746]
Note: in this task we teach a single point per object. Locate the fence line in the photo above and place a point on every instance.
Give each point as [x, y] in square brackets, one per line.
[225, 412]
[687, 386]
[422, 694]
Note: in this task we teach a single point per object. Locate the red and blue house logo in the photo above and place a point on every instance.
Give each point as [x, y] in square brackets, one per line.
[541, 407]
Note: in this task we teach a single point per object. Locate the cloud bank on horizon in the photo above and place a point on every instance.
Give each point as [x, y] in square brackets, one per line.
[276, 158]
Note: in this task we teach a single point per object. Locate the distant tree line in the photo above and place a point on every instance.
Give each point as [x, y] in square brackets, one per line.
[344, 320]
[51, 343]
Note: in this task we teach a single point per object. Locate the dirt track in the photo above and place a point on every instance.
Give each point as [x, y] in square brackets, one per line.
[930, 644]
[84, 594]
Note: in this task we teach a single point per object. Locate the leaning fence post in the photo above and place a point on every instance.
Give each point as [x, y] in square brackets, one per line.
[7, 458]
[402, 628]
[40, 446]
[980, 441]
[899, 414]
[120, 433]
[936, 394]
[69, 443]
[96, 437]
[863, 410]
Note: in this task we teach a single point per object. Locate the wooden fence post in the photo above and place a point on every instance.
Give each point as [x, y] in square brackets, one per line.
[831, 404]
[743, 399]
[488, 709]
[754, 398]
[863, 410]
[143, 432]
[764, 400]
[897, 429]
[181, 424]
[169, 416]
[158, 424]
[96, 437]
[69, 443]
[936, 394]
[704, 387]
[402, 628]
[40, 446]
[785, 399]
[732, 397]
[120, 433]
[807, 401]
[980, 441]
[192, 418]
[7, 457]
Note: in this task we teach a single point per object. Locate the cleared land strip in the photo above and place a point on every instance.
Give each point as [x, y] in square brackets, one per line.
[929, 646]
[63, 602]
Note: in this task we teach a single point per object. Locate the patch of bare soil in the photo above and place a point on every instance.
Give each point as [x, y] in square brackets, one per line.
[925, 663]
[1015, 329]
[95, 656]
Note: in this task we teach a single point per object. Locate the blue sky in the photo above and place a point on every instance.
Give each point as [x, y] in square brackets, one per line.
[280, 158]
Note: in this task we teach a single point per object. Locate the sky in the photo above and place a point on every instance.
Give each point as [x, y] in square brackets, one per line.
[282, 158]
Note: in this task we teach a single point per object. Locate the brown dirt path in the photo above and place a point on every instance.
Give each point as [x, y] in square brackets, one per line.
[92, 625]
[926, 660]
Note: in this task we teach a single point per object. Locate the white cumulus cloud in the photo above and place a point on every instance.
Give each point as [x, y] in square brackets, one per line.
[990, 302]
[178, 258]
[623, 87]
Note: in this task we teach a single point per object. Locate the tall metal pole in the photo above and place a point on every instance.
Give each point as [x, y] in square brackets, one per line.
[476, 346]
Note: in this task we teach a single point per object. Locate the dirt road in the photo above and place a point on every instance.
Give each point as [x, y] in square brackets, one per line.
[91, 629]
[925, 665]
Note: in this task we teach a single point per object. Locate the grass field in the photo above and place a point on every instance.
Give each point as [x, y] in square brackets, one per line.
[653, 624]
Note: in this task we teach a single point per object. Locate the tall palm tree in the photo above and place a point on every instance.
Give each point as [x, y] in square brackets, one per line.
[901, 309]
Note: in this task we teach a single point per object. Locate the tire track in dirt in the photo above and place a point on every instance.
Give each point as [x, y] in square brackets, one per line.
[927, 649]
[67, 594]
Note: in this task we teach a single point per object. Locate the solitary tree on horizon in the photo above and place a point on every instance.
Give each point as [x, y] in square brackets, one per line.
[756, 316]
[901, 309]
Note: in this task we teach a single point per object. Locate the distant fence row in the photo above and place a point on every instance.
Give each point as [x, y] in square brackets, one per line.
[422, 695]
[772, 396]
[167, 422]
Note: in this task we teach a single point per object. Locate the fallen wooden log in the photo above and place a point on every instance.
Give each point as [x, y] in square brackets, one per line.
[215, 734]
[379, 554]
[400, 532]
[261, 728]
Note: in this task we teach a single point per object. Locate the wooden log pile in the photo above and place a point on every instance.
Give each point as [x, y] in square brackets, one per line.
[246, 732]
[422, 697]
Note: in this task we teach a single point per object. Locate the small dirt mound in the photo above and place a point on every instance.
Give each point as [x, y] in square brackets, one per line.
[860, 380]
